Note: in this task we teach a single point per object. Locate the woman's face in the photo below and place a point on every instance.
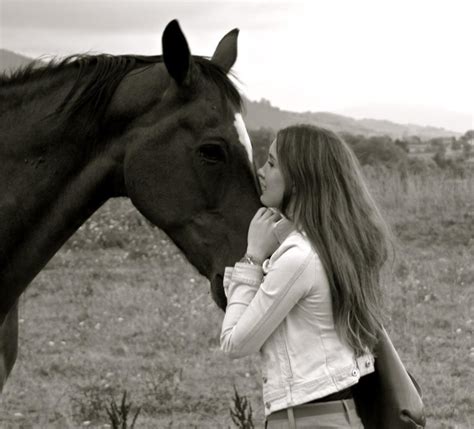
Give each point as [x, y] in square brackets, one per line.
[271, 180]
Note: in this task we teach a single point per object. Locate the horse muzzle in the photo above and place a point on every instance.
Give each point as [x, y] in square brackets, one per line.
[217, 291]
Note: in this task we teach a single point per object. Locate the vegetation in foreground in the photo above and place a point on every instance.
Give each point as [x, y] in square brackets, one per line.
[119, 309]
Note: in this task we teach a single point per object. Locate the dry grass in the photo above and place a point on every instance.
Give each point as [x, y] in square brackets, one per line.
[118, 308]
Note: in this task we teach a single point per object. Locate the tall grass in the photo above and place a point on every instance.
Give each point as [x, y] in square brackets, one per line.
[433, 195]
[428, 209]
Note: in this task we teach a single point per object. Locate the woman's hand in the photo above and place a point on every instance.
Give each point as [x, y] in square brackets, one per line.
[261, 240]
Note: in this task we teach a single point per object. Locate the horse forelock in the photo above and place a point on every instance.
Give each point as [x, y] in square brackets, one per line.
[221, 80]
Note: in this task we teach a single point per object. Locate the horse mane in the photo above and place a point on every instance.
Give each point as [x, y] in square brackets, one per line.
[108, 71]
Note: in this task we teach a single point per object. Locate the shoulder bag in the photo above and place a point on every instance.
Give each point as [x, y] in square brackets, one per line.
[389, 398]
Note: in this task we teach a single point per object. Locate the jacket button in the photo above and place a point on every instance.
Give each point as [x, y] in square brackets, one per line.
[355, 373]
[265, 379]
[268, 405]
[367, 363]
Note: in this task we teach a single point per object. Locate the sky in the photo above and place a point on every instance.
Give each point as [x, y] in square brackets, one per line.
[409, 61]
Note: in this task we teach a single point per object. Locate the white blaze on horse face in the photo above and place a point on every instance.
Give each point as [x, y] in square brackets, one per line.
[243, 135]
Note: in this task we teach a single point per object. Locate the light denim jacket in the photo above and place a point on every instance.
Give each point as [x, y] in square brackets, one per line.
[283, 310]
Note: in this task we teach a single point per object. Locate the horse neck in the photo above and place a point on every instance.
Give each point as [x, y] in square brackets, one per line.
[50, 182]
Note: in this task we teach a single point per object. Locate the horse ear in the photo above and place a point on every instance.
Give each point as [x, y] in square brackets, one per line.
[226, 51]
[176, 54]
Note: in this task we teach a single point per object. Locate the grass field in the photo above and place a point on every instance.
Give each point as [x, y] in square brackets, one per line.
[118, 308]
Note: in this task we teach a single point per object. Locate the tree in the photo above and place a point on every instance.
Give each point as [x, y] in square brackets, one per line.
[403, 144]
[466, 149]
[261, 140]
[437, 144]
[456, 144]
[467, 141]
[378, 150]
[468, 136]
[440, 156]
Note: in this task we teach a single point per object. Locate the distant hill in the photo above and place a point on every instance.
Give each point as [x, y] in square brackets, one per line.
[261, 113]
[10, 60]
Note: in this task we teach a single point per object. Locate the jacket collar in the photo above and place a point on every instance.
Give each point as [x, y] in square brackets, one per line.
[283, 228]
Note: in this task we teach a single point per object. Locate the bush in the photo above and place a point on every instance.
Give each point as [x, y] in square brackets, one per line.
[379, 150]
[419, 166]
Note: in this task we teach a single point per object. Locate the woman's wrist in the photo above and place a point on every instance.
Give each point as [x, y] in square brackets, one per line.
[252, 259]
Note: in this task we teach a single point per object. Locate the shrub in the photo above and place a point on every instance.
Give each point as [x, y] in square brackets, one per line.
[118, 414]
[241, 412]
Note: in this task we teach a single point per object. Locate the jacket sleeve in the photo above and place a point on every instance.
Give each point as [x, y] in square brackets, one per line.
[255, 308]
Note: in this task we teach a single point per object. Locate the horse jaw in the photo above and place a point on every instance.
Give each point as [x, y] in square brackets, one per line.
[217, 292]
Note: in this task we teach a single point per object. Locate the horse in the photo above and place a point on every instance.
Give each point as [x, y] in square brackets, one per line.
[165, 131]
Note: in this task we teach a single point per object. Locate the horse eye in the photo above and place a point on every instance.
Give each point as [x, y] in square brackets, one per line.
[211, 153]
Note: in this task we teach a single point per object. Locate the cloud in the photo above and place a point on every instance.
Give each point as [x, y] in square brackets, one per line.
[37, 27]
[146, 16]
[101, 16]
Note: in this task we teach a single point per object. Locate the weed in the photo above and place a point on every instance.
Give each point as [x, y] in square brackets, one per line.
[119, 414]
[88, 403]
[241, 412]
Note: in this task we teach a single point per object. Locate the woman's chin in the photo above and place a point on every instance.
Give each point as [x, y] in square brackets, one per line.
[265, 202]
[268, 204]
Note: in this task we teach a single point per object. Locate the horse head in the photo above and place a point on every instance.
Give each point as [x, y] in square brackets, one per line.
[188, 165]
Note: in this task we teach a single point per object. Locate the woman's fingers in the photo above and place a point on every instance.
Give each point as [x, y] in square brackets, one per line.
[274, 213]
[267, 214]
[260, 212]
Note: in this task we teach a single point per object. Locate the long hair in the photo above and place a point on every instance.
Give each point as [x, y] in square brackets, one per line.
[332, 205]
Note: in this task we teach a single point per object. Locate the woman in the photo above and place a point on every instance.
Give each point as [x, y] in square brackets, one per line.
[306, 294]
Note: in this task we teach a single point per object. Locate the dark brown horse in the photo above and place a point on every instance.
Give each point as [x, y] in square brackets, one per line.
[165, 131]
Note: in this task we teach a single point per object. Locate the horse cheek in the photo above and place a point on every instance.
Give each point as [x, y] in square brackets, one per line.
[142, 185]
[159, 184]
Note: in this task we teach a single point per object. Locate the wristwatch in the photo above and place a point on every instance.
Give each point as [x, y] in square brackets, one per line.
[249, 259]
